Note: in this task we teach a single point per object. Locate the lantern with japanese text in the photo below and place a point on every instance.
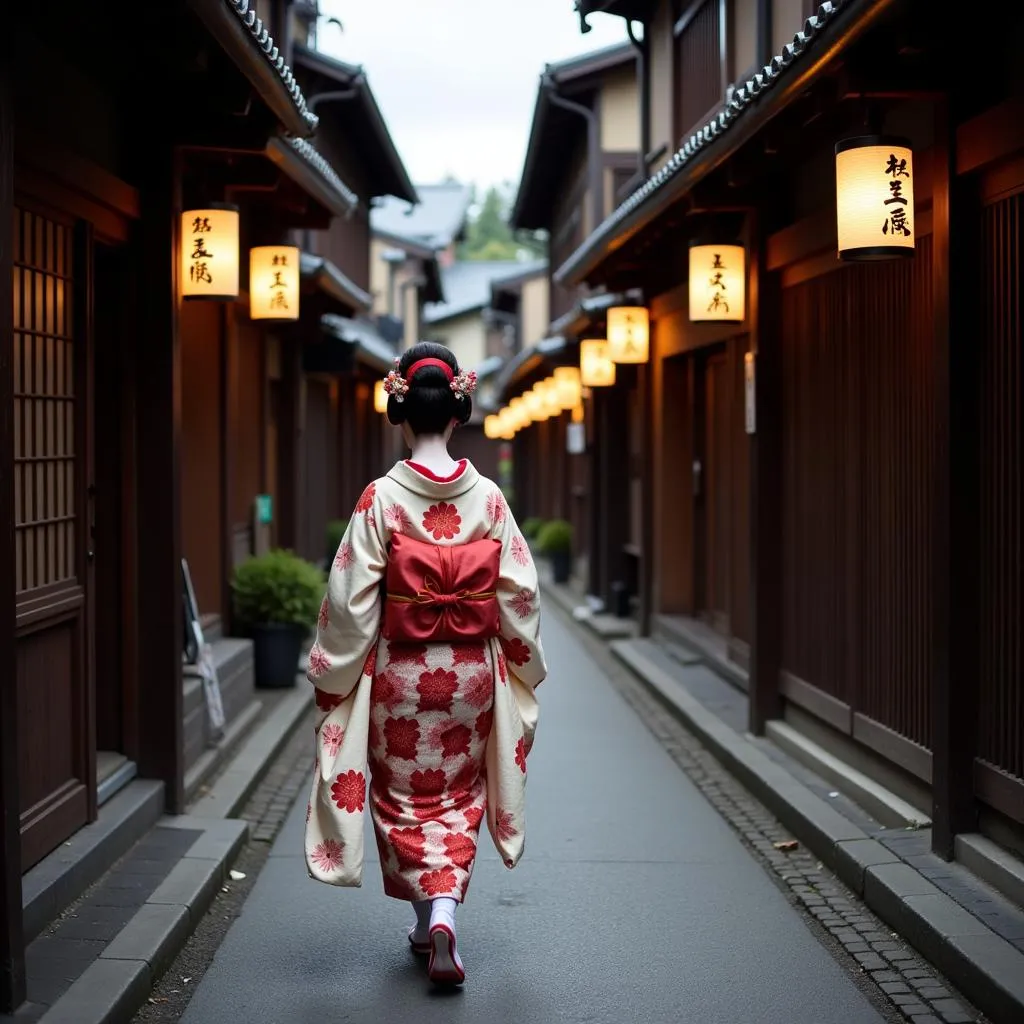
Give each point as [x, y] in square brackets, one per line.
[875, 217]
[597, 370]
[209, 253]
[274, 282]
[629, 334]
[718, 281]
[567, 384]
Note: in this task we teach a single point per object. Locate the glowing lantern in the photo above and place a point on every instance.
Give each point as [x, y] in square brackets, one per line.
[875, 215]
[718, 283]
[535, 405]
[506, 425]
[577, 413]
[596, 367]
[521, 416]
[549, 390]
[274, 282]
[567, 382]
[629, 334]
[380, 397]
[492, 427]
[209, 253]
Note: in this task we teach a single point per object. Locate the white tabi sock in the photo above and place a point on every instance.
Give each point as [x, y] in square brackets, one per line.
[442, 911]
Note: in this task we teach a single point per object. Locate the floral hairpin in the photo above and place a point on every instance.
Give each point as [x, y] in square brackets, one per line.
[464, 384]
[395, 384]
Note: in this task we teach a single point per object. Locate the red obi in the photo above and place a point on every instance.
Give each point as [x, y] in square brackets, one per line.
[441, 593]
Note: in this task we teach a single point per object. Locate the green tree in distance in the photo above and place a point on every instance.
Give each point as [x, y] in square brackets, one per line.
[488, 235]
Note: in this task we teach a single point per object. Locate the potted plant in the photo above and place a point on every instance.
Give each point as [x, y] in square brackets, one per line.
[531, 527]
[555, 541]
[335, 532]
[277, 597]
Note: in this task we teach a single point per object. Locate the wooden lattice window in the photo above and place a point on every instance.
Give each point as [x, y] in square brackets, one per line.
[44, 403]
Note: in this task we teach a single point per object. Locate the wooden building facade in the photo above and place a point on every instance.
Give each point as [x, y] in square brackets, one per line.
[583, 157]
[137, 429]
[836, 509]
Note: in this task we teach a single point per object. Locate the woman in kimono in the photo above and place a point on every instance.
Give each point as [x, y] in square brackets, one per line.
[425, 662]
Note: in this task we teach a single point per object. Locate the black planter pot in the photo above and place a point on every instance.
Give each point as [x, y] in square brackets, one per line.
[561, 566]
[276, 650]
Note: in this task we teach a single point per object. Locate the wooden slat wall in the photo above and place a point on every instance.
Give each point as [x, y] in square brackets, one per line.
[857, 485]
[1001, 449]
[699, 67]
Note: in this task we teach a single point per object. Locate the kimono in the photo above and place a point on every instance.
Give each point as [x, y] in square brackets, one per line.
[444, 728]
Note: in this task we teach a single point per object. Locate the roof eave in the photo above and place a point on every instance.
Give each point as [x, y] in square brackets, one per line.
[336, 285]
[397, 183]
[310, 171]
[834, 27]
[246, 41]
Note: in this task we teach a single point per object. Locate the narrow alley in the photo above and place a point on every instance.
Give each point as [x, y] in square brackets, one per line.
[635, 902]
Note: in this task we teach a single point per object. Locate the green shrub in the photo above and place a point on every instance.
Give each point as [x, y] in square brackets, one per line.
[531, 527]
[555, 537]
[278, 587]
[335, 531]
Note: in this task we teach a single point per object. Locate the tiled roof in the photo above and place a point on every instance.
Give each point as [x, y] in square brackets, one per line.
[246, 11]
[467, 287]
[436, 221]
[333, 281]
[362, 336]
[309, 153]
[743, 100]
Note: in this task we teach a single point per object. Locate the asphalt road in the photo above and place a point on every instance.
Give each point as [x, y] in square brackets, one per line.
[635, 902]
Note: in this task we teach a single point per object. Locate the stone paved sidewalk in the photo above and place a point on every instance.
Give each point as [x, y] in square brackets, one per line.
[857, 938]
[265, 811]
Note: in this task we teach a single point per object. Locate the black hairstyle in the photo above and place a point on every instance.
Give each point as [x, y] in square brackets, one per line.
[430, 404]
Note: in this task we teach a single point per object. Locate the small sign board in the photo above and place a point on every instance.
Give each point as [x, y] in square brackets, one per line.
[575, 438]
[264, 509]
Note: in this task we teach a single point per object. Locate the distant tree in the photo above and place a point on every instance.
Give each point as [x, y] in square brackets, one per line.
[488, 235]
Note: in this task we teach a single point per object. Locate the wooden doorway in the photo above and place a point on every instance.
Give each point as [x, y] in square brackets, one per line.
[711, 487]
[53, 515]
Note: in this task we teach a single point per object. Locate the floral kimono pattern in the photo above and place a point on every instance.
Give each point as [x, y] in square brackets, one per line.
[444, 729]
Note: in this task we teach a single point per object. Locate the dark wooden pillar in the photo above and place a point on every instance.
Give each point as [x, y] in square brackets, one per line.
[229, 437]
[954, 697]
[765, 486]
[613, 444]
[158, 384]
[12, 940]
[645, 394]
[595, 552]
[291, 468]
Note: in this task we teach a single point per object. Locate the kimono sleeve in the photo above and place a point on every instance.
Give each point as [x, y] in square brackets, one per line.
[349, 620]
[518, 602]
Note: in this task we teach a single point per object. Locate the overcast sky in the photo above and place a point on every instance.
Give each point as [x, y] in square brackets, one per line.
[457, 79]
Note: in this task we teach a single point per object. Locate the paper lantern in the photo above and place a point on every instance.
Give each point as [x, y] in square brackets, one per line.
[274, 282]
[535, 405]
[718, 283]
[596, 367]
[629, 334]
[569, 389]
[875, 216]
[380, 397]
[549, 390]
[492, 427]
[506, 424]
[517, 408]
[209, 253]
[577, 413]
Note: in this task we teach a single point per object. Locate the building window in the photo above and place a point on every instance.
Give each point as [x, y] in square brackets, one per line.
[701, 62]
